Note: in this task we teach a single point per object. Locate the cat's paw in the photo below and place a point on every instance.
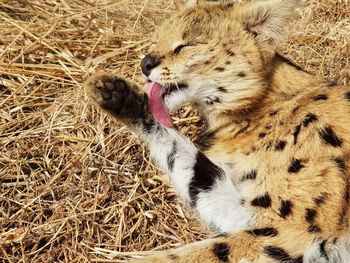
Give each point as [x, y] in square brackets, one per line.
[109, 91]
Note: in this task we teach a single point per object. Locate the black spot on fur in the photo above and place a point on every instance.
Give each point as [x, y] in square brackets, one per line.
[280, 145]
[320, 199]
[277, 253]
[347, 95]
[205, 173]
[285, 60]
[347, 195]
[321, 97]
[230, 53]
[314, 229]
[262, 201]
[340, 162]
[310, 215]
[222, 89]
[296, 109]
[295, 166]
[205, 140]
[262, 135]
[220, 69]
[309, 118]
[171, 157]
[329, 137]
[243, 129]
[286, 208]
[298, 260]
[273, 113]
[227, 62]
[249, 176]
[253, 33]
[265, 232]
[222, 251]
[323, 251]
[268, 126]
[280, 255]
[253, 149]
[241, 74]
[296, 133]
[211, 101]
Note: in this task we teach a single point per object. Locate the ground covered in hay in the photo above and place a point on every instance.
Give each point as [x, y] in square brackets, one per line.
[75, 187]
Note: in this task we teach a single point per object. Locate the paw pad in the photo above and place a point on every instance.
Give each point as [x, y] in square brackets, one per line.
[110, 91]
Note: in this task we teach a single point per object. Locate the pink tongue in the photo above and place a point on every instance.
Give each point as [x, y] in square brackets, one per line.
[159, 111]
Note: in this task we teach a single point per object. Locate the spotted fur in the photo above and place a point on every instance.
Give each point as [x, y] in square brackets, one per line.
[270, 173]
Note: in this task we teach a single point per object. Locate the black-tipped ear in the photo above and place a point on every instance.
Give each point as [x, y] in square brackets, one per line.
[268, 20]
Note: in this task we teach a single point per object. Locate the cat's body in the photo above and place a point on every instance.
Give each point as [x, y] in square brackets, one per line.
[272, 176]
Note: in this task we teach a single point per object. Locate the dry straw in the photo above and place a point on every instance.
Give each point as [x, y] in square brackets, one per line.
[74, 186]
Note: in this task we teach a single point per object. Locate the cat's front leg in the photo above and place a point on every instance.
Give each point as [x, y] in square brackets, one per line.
[198, 181]
[172, 151]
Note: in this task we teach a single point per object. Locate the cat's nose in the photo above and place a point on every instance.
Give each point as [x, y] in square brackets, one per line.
[148, 63]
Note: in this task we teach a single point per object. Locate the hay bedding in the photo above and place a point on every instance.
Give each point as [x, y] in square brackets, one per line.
[75, 187]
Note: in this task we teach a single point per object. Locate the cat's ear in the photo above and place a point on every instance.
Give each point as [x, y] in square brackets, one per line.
[268, 20]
